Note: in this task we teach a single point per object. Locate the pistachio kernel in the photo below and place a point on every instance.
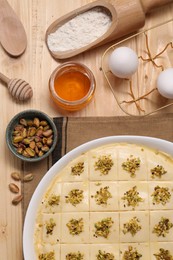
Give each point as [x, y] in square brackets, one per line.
[102, 196]
[54, 200]
[74, 197]
[74, 256]
[102, 228]
[75, 226]
[77, 169]
[50, 226]
[32, 138]
[163, 255]
[132, 198]
[161, 195]
[158, 171]
[47, 256]
[162, 228]
[131, 165]
[102, 255]
[132, 254]
[132, 226]
[104, 164]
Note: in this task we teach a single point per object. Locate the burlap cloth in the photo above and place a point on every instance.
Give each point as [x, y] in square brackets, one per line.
[75, 131]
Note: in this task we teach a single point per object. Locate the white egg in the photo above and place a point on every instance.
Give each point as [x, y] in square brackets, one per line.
[165, 83]
[123, 62]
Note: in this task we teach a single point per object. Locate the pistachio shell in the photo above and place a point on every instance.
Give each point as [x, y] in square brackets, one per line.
[45, 148]
[32, 138]
[17, 200]
[30, 151]
[23, 122]
[17, 139]
[47, 133]
[43, 123]
[28, 177]
[36, 122]
[16, 176]
[32, 145]
[13, 188]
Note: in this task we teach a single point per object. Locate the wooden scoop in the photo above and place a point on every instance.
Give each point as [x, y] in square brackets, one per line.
[12, 34]
[127, 17]
[18, 88]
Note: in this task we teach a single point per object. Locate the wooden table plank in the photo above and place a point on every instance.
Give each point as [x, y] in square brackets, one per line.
[35, 67]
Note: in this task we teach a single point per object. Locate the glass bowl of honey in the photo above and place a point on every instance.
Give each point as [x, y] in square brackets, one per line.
[72, 86]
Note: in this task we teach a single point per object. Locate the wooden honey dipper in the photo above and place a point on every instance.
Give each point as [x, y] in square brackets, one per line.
[18, 88]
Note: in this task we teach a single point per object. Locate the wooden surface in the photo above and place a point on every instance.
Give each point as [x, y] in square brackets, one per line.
[35, 67]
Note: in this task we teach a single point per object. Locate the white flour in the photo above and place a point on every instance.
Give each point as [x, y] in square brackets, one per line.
[80, 31]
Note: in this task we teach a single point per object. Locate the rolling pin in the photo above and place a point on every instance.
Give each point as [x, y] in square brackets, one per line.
[127, 16]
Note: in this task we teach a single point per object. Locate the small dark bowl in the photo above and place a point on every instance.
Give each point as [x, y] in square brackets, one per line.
[29, 114]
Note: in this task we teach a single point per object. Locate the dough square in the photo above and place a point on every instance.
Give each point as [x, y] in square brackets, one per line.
[141, 187]
[155, 159]
[104, 248]
[76, 170]
[113, 236]
[67, 187]
[142, 235]
[84, 249]
[94, 156]
[47, 203]
[55, 236]
[160, 206]
[132, 153]
[48, 248]
[112, 202]
[155, 218]
[155, 248]
[142, 248]
[80, 238]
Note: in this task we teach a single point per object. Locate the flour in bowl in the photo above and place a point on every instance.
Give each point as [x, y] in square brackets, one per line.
[80, 31]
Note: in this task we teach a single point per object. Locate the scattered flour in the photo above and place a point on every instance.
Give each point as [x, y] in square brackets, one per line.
[80, 31]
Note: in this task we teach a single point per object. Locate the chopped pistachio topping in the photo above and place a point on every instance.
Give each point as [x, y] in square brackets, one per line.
[102, 196]
[98, 183]
[158, 171]
[132, 197]
[131, 165]
[161, 195]
[102, 255]
[74, 197]
[50, 226]
[54, 200]
[77, 169]
[75, 226]
[132, 227]
[163, 255]
[131, 254]
[104, 164]
[47, 256]
[74, 256]
[163, 227]
[102, 228]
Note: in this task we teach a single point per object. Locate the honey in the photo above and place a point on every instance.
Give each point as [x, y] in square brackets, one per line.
[72, 86]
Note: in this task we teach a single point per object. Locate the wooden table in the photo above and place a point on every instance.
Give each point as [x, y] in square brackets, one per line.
[35, 66]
